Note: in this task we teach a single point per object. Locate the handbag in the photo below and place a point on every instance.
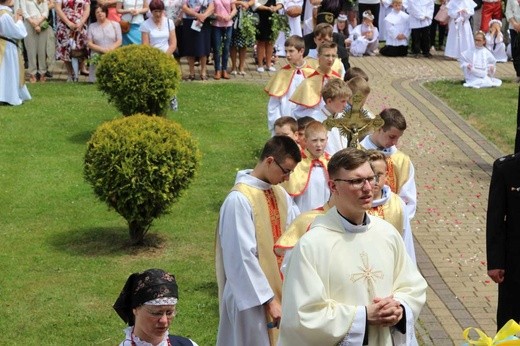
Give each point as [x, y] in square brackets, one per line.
[442, 15]
[125, 25]
[74, 51]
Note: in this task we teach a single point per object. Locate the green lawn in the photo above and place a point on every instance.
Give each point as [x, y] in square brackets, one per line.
[492, 111]
[65, 256]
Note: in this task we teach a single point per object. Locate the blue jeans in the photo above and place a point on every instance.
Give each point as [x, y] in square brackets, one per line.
[221, 40]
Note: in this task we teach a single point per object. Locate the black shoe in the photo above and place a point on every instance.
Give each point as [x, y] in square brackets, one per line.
[428, 55]
[48, 74]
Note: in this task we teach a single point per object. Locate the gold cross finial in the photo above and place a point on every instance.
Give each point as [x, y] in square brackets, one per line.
[354, 124]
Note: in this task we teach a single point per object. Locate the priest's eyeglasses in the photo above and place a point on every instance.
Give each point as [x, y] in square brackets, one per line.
[286, 172]
[359, 183]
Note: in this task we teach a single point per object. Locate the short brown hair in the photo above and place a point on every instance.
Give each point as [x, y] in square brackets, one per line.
[314, 127]
[281, 121]
[348, 158]
[355, 72]
[281, 148]
[327, 45]
[393, 118]
[156, 5]
[359, 86]
[304, 121]
[295, 41]
[335, 88]
[323, 29]
[375, 155]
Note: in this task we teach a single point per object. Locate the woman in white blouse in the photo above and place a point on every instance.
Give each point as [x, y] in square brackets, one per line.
[159, 31]
[35, 14]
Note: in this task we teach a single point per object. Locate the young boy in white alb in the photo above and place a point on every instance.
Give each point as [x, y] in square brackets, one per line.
[401, 173]
[308, 183]
[283, 84]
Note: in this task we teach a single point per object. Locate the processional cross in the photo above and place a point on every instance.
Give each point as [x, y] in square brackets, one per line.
[356, 123]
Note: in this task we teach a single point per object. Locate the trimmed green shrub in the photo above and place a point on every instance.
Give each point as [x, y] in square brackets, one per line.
[138, 79]
[139, 165]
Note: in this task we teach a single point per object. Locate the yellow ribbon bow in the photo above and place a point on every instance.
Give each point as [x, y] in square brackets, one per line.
[503, 337]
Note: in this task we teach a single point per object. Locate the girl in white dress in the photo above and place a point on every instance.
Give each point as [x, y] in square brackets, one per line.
[460, 37]
[479, 65]
[495, 40]
[365, 37]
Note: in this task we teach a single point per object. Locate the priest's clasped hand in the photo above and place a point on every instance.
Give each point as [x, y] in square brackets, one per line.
[274, 309]
[385, 312]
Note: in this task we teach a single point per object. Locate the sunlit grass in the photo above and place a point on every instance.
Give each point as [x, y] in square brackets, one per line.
[65, 256]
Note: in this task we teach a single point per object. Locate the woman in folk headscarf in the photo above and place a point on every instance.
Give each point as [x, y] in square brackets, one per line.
[147, 304]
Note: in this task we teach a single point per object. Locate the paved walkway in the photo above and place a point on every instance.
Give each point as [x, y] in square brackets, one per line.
[453, 165]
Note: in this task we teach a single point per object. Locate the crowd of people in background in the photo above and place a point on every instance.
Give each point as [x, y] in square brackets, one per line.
[209, 32]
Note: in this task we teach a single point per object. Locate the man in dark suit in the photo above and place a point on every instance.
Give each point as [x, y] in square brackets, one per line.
[337, 38]
[503, 236]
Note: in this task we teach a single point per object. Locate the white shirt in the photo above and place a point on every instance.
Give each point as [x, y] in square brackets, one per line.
[159, 36]
[421, 13]
[335, 270]
[397, 23]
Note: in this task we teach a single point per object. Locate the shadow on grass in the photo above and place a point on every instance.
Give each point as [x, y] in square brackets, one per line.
[81, 138]
[208, 287]
[109, 242]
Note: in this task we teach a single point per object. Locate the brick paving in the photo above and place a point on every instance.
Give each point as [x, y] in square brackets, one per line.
[453, 165]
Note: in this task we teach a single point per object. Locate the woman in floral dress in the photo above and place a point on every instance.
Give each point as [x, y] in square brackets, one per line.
[72, 28]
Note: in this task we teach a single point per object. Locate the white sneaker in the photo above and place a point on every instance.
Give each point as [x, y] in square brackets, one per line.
[432, 50]
[260, 69]
[272, 69]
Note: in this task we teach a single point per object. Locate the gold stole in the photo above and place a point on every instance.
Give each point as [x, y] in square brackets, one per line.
[398, 169]
[299, 180]
[279, 84]
[308, 94]
[3, 45]
[391, 211]
[297, 229]
[272, 203]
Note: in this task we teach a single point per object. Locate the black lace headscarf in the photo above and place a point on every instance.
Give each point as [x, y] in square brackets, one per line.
[143, 287]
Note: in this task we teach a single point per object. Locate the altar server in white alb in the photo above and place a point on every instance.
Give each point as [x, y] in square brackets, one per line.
[252, 218]
[365, 37]
[401, 172]
[479, 65]
[12, 84]
[397, 24]
[349, 280]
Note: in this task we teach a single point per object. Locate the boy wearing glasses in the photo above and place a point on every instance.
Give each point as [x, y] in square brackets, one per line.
[349, 279]
[401, 173]
[388, 205]
[252, 217]
[308, 183]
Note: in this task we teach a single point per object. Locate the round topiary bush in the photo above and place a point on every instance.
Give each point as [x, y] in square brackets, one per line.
[139, 165]
[138, 79]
